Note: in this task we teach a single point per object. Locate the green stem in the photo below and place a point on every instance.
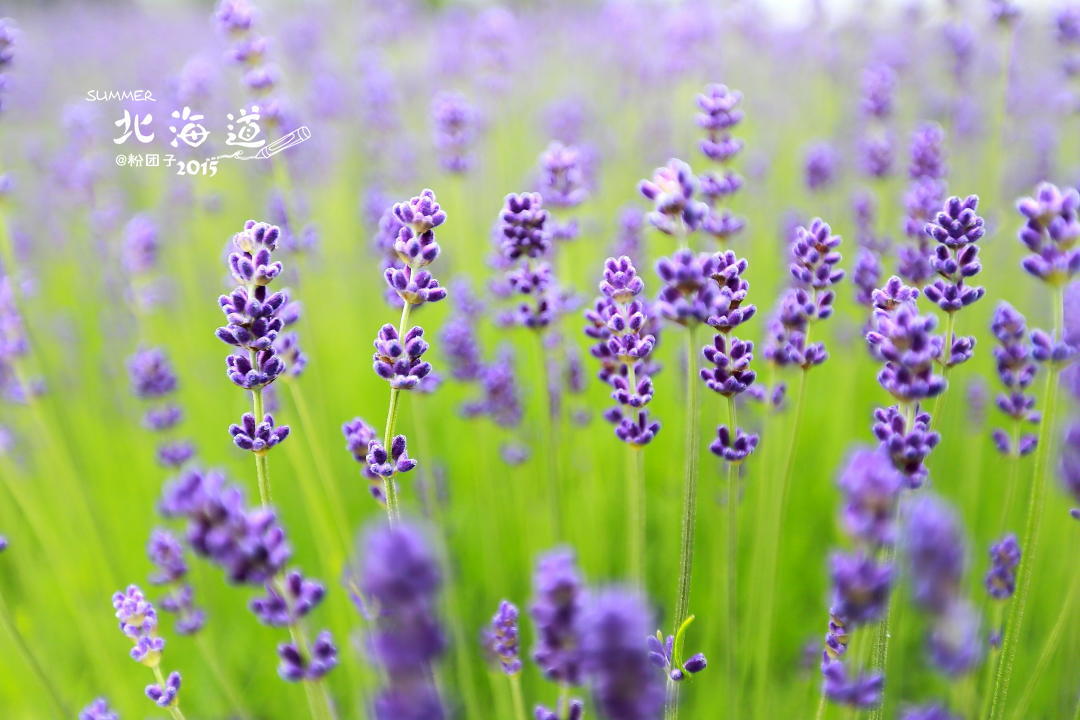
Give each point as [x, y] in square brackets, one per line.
[262, 467]
[992, 658]
[1014, 472]
[820, 707]
[689, 504]
[393, 510]
[1068, 610]
[515, 693]
[31, 660]
[636, 513]
[1030, 543]
[776, 519]
[548, 425]
[939, 401]
[731, 614]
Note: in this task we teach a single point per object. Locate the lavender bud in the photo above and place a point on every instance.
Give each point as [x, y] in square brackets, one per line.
[258, 438]
[501, 638]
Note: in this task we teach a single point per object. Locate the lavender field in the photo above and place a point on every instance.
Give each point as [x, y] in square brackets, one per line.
[607, 360]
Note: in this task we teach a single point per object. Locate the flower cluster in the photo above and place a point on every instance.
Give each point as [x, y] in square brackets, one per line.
[153, 380]
[249, 49]
[359, 436]
[167, 554]
[671, 190]
[719, 114]
[1016, 370]
[558, 602]
[1052, 233]
[934, 548]
[415, 248]
[618, 322]
[903, 340]
[923, 199]
[501, 638]
[138, 621]
[524, 242]
[456, 124]
[563, 184]
[814, 271]
[399, 581]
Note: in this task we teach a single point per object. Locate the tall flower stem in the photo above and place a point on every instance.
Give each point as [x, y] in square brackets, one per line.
[939, 401]
[635, 479]
[262, 467]
[1030, 542]
[731, 611]
[174, 710]
[772, 557]
[1014, 472]
[689, 505]
[515, 694]
[393, 510]
[548, 425]
[30, 658]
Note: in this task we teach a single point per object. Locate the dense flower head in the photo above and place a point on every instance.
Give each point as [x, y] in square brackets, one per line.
[387, 464]
[906, 444]
[251, 261]
[456, 123]
[420, 214]
[1052, 233]
[633, 428]
[557, 606]
[815, 257]
[904, 340]
[522, 229]
[562, 175]
[151, 373]
[235, 16]
[719, 114]
[501, 638]
[140, 250]
[167, 554]
[254, 317]
[165, 695]
[956, 228]
[671, 189]
[734, 446]
[252, 376]
[689, 293]
[295, 666]
[398, 360]
[871, 488]
[728, 308]
[625, 686]
[136, 614]
[860, 587]
[1001, 577]
[1016, 370]
[866, 275]
[934, 547]
[259, 437]
[98, 710]
[288, 601]
[730, 358]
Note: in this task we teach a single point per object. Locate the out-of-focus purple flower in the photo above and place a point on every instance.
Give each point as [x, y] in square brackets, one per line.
[575, 711]
[400, 580]
[1052, 233]
[871, 487]
[456, 124]
[260, 437]
[859, 691]
[815, 257]
[614, 656]
[151, 373]
[1001, 577]
[955, 641]
[1070, 465]
[98, 710]
[820, 166]
[1016, 370]
[358, 437]
[556, 610]
[235, 16]
[928, 712]
[175, 453]
[671, 189]
[285, 604]
[928, 153]
[562, 176]
[719, 113]
[860, 587]
[934, 547]
[501, 638]
[295, 666]
[878, 86]
[876, 155]
[1067, 25]
[165, 695]
[689, 294]
[140, 251]
[865, 275]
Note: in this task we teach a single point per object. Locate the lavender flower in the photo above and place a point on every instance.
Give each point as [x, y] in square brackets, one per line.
[956, 228]
[524, 239]
[1001, 577]
[415, 248]
[287, 603]
[688, 294]
[562, 176]
[955, 641]
[501, 638]
[734, 447]
[865, 275]
[861, 588]
[500, 391]
[1051, 233]
[165, 695]
[387, 464]
[906, 446]
[878, 87]
[138, 621]
[98, 710]
[455, 123]
[903, 340]
[258, 438]
[167, 554]
[928, 153]
[671, 189]
[934, 549]
[295, 666]
[719, 114]
[556, 610]
[624, 684]
[151, 373]
[398, 360]
[871, 488]
[400, 580]
[1016, 370]
[820, 166]
[860, 691]
[358, 438]
[619, 322]
[1070, 465]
